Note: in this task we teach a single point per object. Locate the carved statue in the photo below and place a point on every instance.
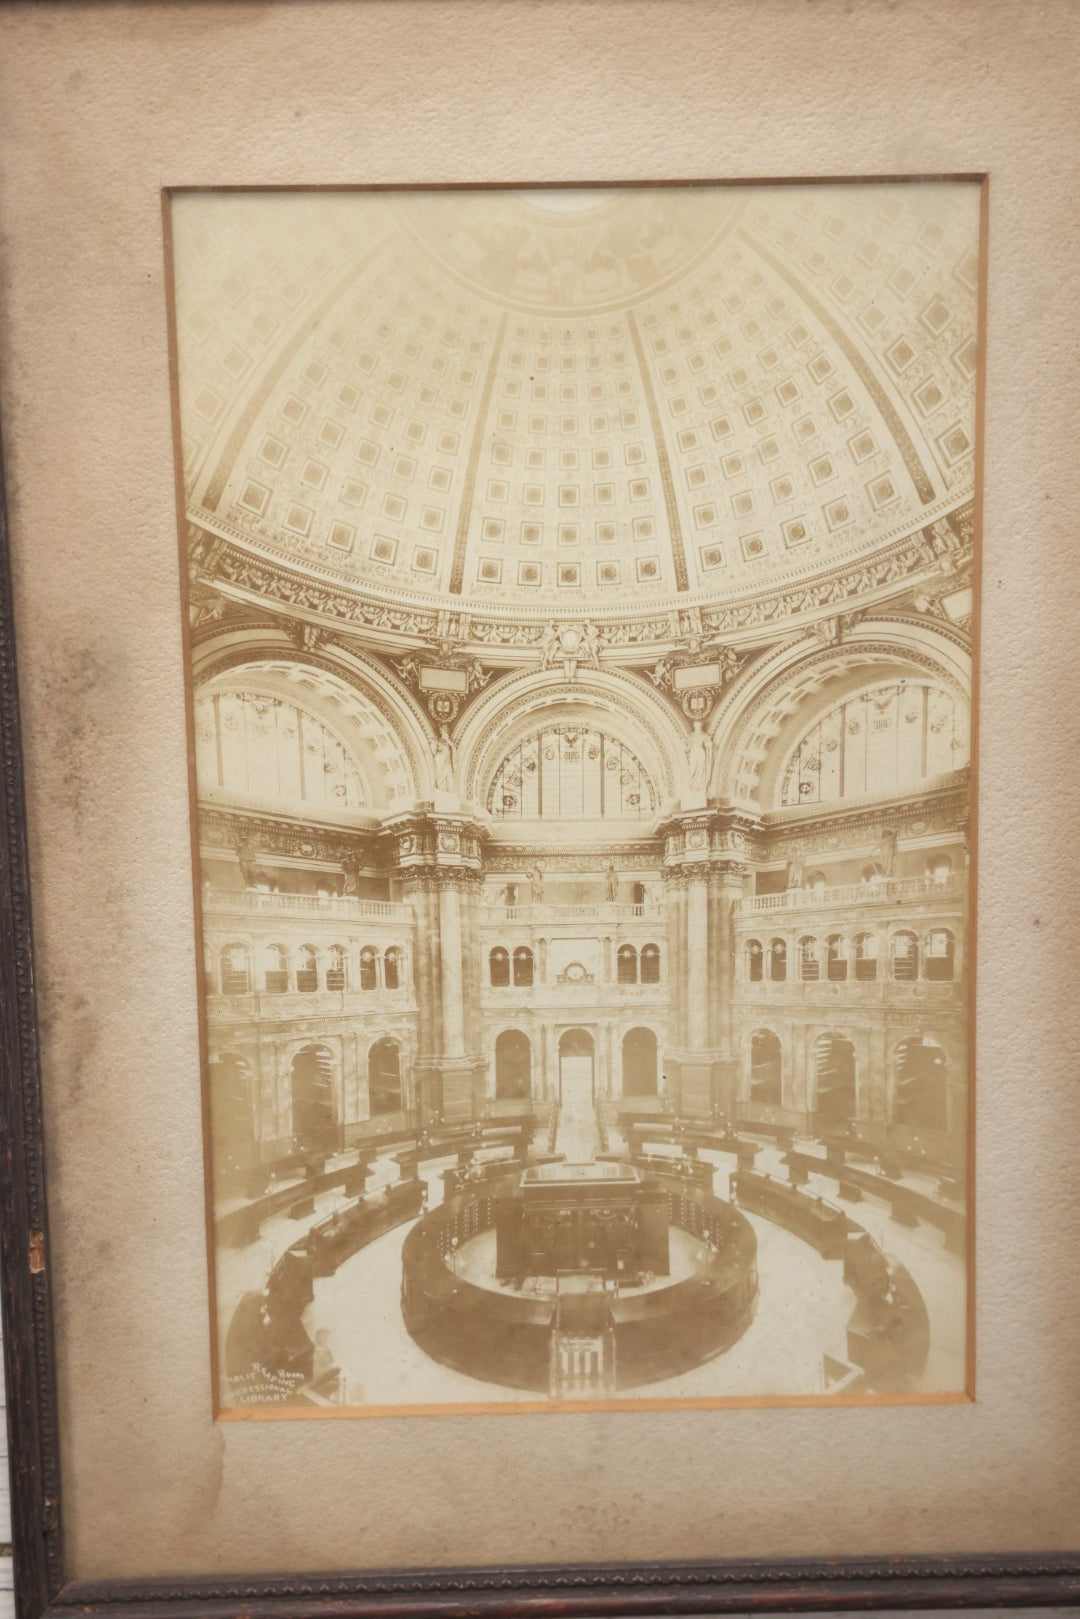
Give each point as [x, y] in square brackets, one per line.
[793, 873]
[536, 885]
[350, 865]
[570, 645]
[886, 851]
[699, 751]
[611, 884]
[549, 645]
[245, 854]
[443, 749]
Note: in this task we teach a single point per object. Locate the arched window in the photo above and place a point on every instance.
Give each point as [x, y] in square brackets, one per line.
[836, 958]
[369, 972]
[392, 968]
[335, 967]
[921, 1086]
[872, 876]
[255, 746]
[499, 967]
[650, 964]
[815, 882]
[626, 964]
[314, 1119]
[809, 960]
[232, 1113]
[765, 1068]
[940, 951]
[570, 772]
[513, 1066]
[307, 969]
[523, 967]
[778, 960]
[905, 957]
[866, 957]
[276, 972]
[638, 898]
[888, 739]
[384, 1077]
[639, 1063]
[235, 970]
[834, 1082]
[755, 961]
[938, 870]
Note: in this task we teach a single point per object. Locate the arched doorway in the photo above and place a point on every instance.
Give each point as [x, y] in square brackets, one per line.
[577, 1061]
[314, 1124]
[639, 1063]
[513, 1066]
[232, 1115]
[922, 1098]
[834, 1081]
[765, 1081]
[384, 1077]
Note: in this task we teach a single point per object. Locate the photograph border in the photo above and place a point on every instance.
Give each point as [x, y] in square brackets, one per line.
[644, 1402]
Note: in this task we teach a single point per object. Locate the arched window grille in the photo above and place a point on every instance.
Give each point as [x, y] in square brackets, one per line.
[888, 739]
[905, 957]
[866, 957]
[809, 960]
[921, 1096]
[650, 964]
[276, 974]
[523, 967]
[755, 961]
[235, 970]
[940, 953]
[384, 1077]
[335, 967]
[392, 968]
[836, 958]
[626, 964]
[778, 960]
[307, 969]
[765, 1068]
[571, 772]
[499, 967]
[369, 971]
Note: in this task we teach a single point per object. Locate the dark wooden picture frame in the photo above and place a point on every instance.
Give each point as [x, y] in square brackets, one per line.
[969, 1578]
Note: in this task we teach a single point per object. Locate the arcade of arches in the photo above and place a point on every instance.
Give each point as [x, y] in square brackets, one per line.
[547, 778]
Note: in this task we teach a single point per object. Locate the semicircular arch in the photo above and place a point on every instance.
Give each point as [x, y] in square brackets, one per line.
[796, 682]
[619, 705]
[374, 721]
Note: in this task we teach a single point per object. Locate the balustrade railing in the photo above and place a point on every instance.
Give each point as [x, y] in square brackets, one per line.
[259, 903]
[598, 910]
[885, 891]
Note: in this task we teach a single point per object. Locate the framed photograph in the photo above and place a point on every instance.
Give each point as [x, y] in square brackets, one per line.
[535, 635]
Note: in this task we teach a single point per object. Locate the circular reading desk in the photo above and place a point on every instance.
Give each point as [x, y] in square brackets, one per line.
[578, 1294]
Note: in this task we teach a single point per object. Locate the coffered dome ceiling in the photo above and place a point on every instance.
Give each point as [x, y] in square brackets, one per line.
[583, 403]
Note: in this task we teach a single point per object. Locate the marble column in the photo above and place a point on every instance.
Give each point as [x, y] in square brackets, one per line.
[453, 989]
[728, 888]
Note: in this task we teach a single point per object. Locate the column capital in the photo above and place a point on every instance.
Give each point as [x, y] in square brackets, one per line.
[426, 840]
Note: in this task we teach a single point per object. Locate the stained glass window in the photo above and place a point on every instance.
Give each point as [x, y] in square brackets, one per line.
[571, 772]
[882, 741]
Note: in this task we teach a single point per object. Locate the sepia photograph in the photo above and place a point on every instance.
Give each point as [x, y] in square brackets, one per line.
[581, 590]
